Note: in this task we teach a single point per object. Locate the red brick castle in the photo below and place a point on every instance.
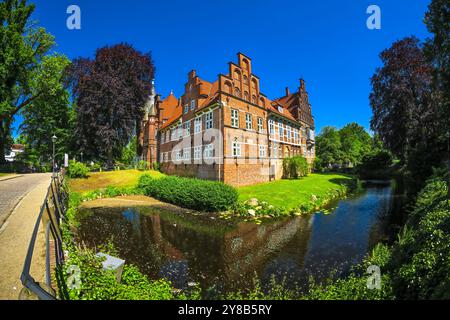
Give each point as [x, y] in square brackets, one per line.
[227, 130]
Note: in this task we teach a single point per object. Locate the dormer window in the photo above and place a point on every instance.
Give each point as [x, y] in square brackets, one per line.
[192, 104]
[280, 109]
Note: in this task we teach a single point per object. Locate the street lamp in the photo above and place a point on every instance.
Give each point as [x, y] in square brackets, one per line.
[54, 141]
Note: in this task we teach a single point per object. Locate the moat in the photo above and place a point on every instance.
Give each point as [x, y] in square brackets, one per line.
[227, 256]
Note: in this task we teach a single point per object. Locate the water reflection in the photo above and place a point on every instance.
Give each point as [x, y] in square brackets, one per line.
[227, 256]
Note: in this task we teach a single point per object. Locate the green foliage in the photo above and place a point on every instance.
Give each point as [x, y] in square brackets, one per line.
[295, 167]
[376, 164]
[23, 76]
[77, 170]
[190, 193]
[129, 152]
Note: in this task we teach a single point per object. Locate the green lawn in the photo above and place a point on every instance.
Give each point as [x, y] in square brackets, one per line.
[5, 174]
[98, 180]
[292, 193]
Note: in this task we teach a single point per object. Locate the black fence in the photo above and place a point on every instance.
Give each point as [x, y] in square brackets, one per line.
[51, 215]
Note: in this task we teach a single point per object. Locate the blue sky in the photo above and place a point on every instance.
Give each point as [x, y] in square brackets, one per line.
[325, 42]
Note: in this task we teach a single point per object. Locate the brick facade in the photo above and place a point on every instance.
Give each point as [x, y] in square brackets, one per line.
[228, 130]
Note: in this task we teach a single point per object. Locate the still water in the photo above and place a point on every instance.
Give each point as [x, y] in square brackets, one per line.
[229, 255]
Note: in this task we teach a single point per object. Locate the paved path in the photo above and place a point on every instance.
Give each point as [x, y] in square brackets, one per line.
[12, 190]
[25, 195]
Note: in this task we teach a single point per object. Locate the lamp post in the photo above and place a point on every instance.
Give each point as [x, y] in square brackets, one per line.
[81, 156]
[54, 141]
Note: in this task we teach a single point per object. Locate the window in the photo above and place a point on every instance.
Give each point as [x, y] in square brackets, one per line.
[295, 135]
[209, 120]
[180, 131]
[248, 121]
[198, 125]
[271, 127]
[187, 153]
[234, 118]
[262, 151]
[192, 104]
[236, 149]
[167, 136]
[280, 130]
[162, 139]
[246, 95]
[186, 108]
[187, 128]
[260, 125]
[178, 155]
[197, 153]
[254, 99]
[288, 131]
[173, 134]
[237, 92]
[209, 150]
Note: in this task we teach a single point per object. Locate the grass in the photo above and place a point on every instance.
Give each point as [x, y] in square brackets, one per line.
[6, 174]
[99, 180]
[293, 193]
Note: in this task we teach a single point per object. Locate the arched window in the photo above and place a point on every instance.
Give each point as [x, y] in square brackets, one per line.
[263, 102]
[246, 97]
[227, 87]
[254, 99]
[246, 64]
[254, 84]
[237, 74]
[237, 92]
[245, 79]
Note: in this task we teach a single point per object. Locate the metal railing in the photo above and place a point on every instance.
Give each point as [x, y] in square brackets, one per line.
[51, 214]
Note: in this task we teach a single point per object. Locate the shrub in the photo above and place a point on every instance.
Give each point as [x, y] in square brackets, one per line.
[190, 193]
[77, 170]
[295, 167]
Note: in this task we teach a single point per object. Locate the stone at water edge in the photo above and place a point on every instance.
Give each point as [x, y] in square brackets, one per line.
[253, 202]
[251, 212]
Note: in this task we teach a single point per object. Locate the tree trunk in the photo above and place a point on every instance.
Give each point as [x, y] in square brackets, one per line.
[3, 137]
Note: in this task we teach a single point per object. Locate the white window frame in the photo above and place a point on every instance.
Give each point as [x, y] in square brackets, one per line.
[186, 108]
[198, 153]
[271, 127]
[236, 149]
[262, 151]
[187, 128]
[260, 124]
[180, 131]
[209, 120]
[208, 153]
[248, 121]
[280, 130]
[187, 153]
[192, 104]
[288, 132]
[235, 118]
[178, 155]
[198, 124]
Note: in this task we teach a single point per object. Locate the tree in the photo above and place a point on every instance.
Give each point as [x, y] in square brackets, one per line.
[437, 50]
[401, 97]
[328, 147]
[110, 93]
[49, 114]
[22, 47]
[355, 143]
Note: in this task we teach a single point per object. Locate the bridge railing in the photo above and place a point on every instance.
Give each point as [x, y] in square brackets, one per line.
[52, 213]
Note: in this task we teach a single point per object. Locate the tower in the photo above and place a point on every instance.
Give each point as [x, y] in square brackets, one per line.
[150, 124]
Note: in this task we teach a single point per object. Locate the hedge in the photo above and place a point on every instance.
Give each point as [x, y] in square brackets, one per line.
[202, 195]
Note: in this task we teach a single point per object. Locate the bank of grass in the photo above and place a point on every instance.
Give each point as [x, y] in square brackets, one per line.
[2, 175]
[101, 180]
[294, 196]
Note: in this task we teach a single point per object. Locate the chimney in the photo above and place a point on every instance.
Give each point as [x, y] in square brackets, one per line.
[302, 85]
[287, 91]
[191, 74]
